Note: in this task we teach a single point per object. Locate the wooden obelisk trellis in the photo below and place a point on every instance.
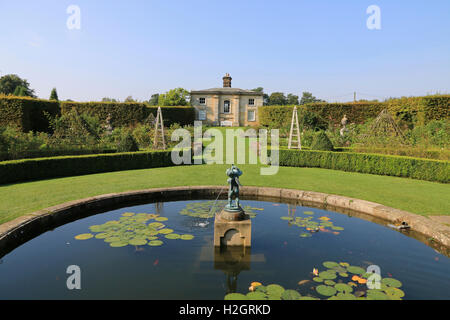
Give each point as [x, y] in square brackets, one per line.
[295, 132]
[159, 128]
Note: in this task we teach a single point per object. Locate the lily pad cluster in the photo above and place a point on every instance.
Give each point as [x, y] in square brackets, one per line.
[208, 209]
[311, 225]
[134, 229]
[269, 292]
[339, 281]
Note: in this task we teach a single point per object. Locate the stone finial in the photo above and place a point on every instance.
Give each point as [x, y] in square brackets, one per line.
[227, 81]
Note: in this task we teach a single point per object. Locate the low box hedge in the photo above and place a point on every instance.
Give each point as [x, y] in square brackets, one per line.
[422, 169]
[45, 168]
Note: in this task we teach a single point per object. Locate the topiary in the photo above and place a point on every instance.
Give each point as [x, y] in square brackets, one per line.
[322, 142]
[127, 144]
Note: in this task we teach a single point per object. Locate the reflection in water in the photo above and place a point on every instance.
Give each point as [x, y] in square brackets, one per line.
[232, 260]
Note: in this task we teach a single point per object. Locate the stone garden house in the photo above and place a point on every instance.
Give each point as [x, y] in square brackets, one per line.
[227, 106]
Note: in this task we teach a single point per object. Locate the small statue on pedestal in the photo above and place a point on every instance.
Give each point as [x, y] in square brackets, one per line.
[233, 173]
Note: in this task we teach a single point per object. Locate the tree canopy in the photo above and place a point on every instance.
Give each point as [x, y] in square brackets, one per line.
[54, 95]
[154, 99]
[307, 97]
[9, 83]
[174, 97]
[277, 99]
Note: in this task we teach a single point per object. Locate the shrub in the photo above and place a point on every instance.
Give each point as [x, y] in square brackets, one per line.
[127, 144]
[143, 133]
[122, 114]
[75, 130]
[130, 113]
[423, 169]
[45, 168]
[322, 142]
[27, 113]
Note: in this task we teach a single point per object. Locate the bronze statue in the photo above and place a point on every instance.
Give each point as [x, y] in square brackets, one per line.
[233, 173]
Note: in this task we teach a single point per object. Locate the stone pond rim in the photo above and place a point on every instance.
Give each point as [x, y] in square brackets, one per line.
[24, 228]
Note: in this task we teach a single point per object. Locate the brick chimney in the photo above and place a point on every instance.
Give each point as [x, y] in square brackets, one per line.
[227, 81]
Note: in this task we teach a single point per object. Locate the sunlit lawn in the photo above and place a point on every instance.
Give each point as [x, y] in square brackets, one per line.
[422, 197]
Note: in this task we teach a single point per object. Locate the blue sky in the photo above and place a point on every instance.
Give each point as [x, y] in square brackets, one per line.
[142, 47]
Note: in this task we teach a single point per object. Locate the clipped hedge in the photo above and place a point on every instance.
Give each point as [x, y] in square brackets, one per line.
[280, 116]
[422, 169]
[418, 110]
[27, 113]
[183, 115]
[128, 113]
[45, 168]
[122, 114]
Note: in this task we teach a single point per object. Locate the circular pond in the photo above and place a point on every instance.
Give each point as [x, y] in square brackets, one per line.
[165, 251]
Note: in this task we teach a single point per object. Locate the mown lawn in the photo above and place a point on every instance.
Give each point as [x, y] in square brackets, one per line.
[421, 197]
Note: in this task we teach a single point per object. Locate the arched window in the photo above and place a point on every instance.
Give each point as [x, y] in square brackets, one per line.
[226, 106]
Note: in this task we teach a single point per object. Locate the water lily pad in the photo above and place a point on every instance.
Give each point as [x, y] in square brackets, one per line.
[329, 282]
[97, 228]
[118, 244]
[84, 236]
[173, 236]
[160, 219]
[374, 294]
[286, 218]
[307, 298]
[155, 225]
[308, 212]
[155, 243]
[102, 235]
[256, 296]
[391, 282]
[165, 231]
[345, 296]
[113, 239]
[337, 228]
[327, 275]
[318, 279]
[236, 296]
[394, 293]
[274, 289]
[342, 287]
[137, 242]
[305, 235]
[128, 214]
[356, 270]
[187, 237]
[261, 288]
[290, 295]
[330, 264]
[326, 290]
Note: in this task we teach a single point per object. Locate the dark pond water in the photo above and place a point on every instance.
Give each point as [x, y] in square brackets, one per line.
[192, 269]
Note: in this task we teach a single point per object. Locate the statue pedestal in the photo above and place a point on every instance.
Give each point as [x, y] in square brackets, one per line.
[232, 228]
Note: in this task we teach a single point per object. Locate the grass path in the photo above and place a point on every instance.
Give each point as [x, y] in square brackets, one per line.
[421, 197]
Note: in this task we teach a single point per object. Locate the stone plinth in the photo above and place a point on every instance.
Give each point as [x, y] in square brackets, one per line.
[232, 229]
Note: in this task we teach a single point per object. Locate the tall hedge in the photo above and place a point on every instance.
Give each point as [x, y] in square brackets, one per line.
[127, 113]
[280, 116]
[183, 115]
[27, 113]
[422, 169]
[417, 110]
[45, 168]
